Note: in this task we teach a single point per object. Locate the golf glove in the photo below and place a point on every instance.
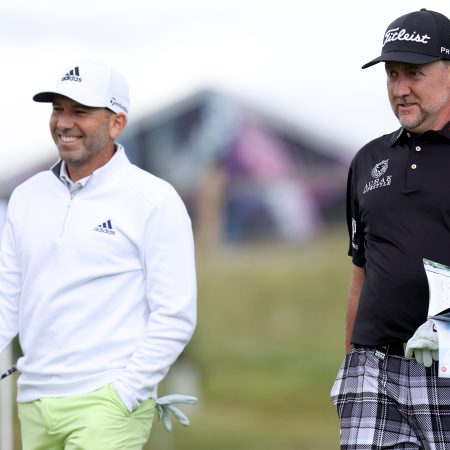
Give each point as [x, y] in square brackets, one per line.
[165, 405]
[424, 345]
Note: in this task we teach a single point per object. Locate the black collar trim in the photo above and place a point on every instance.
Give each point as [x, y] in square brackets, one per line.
[403, 133]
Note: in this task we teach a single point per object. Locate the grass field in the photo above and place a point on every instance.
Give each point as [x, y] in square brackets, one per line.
[268, 345]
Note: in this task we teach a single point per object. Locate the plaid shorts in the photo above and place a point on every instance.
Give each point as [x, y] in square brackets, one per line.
[391, 404]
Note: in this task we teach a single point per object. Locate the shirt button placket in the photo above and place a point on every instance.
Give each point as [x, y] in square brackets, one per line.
[413, 173]
[418, 148]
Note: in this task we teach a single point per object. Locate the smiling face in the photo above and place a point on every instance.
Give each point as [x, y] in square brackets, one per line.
[84, 135]
[419, 94]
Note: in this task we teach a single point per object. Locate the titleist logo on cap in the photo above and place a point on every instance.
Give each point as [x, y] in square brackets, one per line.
[420, 37]
[394, 35]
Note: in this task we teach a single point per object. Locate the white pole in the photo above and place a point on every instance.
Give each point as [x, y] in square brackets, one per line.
[6, 385]
[6, 402]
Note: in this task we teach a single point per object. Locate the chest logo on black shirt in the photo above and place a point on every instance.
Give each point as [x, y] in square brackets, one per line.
[380, 168]
[378, 179]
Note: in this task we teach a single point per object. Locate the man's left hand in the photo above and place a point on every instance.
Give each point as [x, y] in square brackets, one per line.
[424, 345]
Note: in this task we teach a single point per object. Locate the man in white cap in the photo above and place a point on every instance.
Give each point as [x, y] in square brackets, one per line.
[97, 277]
[398, 213]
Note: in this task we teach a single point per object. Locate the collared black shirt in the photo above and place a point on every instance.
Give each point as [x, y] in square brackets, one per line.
[398, 212]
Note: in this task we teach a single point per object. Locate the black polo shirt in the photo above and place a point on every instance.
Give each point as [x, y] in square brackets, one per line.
[398, 212]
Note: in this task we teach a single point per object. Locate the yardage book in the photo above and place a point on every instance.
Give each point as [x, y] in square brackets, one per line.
[438, 276]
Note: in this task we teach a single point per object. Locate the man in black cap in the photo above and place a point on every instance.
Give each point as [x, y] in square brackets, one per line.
[398, 213]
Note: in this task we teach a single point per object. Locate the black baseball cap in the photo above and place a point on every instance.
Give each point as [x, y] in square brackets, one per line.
[420, 37]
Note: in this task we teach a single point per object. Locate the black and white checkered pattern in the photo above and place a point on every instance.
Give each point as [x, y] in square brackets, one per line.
[391, 404]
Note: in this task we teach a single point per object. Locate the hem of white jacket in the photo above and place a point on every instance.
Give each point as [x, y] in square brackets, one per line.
[52, 388]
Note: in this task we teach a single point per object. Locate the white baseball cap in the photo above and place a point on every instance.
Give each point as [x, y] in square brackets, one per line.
[91, 84]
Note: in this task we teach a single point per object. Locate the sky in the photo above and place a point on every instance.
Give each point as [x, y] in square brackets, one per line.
[300, 61]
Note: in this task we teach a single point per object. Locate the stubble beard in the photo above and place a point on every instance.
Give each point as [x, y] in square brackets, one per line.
[88, 148]
[413, 122]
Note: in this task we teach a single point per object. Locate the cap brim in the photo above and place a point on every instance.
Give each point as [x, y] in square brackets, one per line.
[403, 57]
[48, 97]
[44, 97]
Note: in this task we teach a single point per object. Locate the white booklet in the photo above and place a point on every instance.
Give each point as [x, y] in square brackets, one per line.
[438, 276]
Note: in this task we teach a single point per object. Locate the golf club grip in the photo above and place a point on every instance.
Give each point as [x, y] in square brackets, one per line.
[8, 372]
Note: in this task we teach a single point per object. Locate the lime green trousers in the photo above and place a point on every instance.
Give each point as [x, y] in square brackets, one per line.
[94, 421]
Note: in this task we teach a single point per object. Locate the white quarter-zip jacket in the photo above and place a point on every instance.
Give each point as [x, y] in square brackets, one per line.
[100, 286]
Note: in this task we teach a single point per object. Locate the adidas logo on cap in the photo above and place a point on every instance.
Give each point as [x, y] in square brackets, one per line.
[72, 75]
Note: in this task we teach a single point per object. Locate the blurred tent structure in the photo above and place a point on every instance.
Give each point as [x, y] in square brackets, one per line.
[243, 174]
